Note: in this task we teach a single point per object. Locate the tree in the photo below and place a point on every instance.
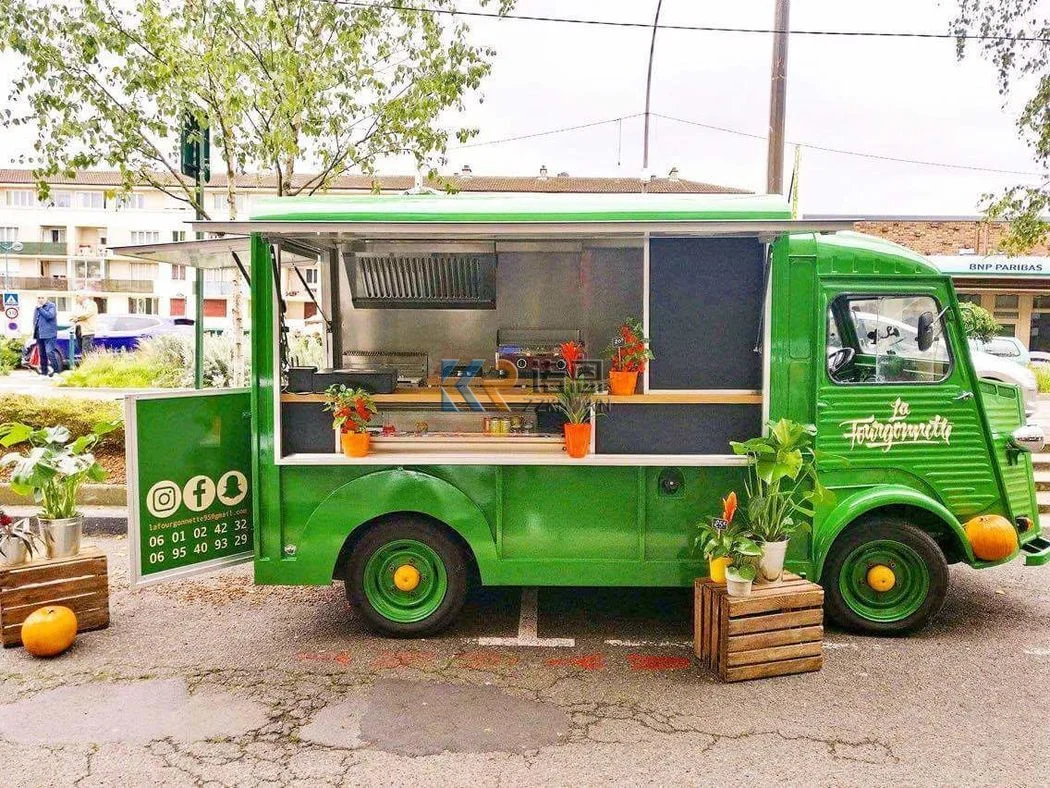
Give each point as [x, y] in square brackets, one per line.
[283, 85]
[978, 322]
[1015, 37]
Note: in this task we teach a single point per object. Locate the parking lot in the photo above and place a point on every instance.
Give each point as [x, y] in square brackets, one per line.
[217, 681]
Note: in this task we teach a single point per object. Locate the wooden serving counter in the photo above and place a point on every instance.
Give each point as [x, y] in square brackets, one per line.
[432, 395]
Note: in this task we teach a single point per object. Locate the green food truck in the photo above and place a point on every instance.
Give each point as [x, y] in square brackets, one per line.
[452, 308]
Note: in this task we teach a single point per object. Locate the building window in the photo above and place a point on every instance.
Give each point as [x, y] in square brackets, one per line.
[132, 200]
[310, 275]
[178, 272]
[143, 271]
[177, 307]
[90, 200]
[60, 199]
[21, 198]
[215, 307]
[970, 298]
[1007, 301]
[55, 235]
[8, 233]
[221, 202]
[178, 235]
[142, 306]
[309, 310]
[145, 236]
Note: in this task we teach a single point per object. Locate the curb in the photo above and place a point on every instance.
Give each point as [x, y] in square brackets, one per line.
[90, 495]
[98, 520]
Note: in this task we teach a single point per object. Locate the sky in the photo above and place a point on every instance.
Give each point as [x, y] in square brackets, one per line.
[892, 97]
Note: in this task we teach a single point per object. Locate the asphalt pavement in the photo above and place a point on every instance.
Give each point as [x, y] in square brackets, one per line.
[215, 681]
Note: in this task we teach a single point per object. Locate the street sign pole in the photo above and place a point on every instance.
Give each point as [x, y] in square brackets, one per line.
[198, 323]
[196, 163]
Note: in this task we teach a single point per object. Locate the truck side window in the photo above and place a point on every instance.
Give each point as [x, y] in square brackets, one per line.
[887, 339]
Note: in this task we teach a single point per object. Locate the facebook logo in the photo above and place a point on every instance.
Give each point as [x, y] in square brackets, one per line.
[198, 493]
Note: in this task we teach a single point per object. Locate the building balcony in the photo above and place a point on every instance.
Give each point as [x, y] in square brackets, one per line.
[217, 289]
[99, 285]
[34, 283]
[33, 248]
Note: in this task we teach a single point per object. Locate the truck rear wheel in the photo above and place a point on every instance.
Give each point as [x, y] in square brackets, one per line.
[885, 577]
[407, 577]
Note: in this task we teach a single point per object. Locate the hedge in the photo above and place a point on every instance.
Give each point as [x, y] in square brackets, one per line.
[78, 414]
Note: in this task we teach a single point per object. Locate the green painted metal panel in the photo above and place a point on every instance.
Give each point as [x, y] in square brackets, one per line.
[189, 467]
[1005, 411]
[523, 208]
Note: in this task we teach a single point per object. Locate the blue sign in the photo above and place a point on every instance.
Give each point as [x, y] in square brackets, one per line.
[10, 299]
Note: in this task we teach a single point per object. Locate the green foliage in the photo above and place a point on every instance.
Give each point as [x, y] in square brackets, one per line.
[724, 537]
[305, 349]
[109, 369]
[978, 322]
[351, 409]
[782, 483]
[1015, 41]
[10, 354]
[18, 531]
[576, 397]
[741, 572]
[56, 465]
[277, 83]
[77, 414]
[1042, 377]
[629, 351]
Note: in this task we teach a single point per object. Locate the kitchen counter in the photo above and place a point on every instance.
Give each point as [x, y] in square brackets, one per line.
[486, 394]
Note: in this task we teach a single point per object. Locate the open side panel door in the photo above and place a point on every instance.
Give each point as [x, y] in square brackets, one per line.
[189, 476]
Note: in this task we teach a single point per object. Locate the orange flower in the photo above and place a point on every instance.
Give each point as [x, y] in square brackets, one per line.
[729, 507]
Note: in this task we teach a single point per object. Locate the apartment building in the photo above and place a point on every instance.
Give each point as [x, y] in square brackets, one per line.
[64, 245]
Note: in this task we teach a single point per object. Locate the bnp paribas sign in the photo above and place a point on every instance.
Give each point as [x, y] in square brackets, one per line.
[992, 265]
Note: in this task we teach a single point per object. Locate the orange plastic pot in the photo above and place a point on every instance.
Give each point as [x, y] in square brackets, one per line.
[622, 384]
[356, 444]
[717, 568]
[578, 439]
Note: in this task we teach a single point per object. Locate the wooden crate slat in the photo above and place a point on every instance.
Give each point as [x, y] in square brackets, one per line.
[47, 571]
[778, 637]
[44, 593]
[698, 616]
[740, 606]
[775, 653]
[784, 667]
[74, 601]
[769, 622]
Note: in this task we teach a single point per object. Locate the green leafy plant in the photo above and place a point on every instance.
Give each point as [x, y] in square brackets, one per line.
[722, 537]
[782, 484]
[576, 397]
[741, 571]
[351, 409]
[629, 351]
[55, 467]
[978, 323]
[18, 531]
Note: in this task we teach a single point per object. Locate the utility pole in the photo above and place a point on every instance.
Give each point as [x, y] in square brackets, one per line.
[778, 101]
[649, 86]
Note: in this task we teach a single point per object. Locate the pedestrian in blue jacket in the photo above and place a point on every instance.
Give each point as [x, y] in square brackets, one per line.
[45, 332]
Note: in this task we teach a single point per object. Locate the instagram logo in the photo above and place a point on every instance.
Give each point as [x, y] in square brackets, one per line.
[163, 498]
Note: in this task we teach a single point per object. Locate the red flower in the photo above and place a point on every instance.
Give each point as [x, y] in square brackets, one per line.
[571, 352]
[5, 519]
[729, 507]
[362, 410]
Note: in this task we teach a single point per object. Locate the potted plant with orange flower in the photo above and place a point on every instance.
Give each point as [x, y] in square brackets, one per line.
[576, 400]
[351, 411]
[629, 353]
[724, 542]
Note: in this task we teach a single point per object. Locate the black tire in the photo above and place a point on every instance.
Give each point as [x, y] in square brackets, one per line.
[434, 536]
[886, 529]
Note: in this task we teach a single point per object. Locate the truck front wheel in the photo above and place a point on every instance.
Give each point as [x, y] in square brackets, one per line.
[884, 576]
[407, 577]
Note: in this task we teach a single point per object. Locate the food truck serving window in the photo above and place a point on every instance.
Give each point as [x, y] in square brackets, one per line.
[887, 339]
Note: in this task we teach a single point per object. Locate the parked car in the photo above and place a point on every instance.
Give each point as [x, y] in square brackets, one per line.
[1039, 357]
[1010, 348]
[114, 332]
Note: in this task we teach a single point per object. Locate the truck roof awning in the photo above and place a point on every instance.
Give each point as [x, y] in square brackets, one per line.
[212, 253]
[330, 232]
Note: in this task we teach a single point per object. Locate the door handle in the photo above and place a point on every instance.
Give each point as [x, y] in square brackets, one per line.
[962, 396]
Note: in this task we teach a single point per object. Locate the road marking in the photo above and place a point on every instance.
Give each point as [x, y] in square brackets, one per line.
[650, 643]
[656, 662]
[528, 634]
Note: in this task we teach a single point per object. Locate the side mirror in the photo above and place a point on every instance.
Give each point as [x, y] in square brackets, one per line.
[924, 337]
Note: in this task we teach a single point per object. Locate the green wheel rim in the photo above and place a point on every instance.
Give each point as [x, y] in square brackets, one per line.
[405, 607]
[908, 593]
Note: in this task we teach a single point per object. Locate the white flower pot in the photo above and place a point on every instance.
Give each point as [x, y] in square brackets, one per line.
[738, 587]
[771, 565]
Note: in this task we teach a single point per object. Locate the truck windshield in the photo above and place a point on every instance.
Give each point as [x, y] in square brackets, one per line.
[876, 340]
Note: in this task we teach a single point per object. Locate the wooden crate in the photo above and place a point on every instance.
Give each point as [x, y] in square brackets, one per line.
[80, 583]
[776, 631]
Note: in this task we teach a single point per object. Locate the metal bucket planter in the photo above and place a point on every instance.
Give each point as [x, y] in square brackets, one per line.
[61, 537]
[12, 552]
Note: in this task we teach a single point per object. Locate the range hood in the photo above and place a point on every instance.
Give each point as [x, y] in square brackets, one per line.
[415, 277]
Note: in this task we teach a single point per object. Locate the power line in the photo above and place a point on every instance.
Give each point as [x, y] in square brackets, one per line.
[750, 135]
[696, 28]
[547, 133]
[845, 152]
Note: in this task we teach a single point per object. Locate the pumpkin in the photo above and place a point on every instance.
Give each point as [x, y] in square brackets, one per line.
[992, 537]
[49, 631]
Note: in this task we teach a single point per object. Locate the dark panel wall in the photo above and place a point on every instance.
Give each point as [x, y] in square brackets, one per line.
[305, 427]
[676, 429]
[705, 303]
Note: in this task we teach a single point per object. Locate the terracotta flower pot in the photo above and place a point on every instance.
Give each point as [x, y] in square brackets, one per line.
[622, 384]
[356, 444]
[578, 439]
